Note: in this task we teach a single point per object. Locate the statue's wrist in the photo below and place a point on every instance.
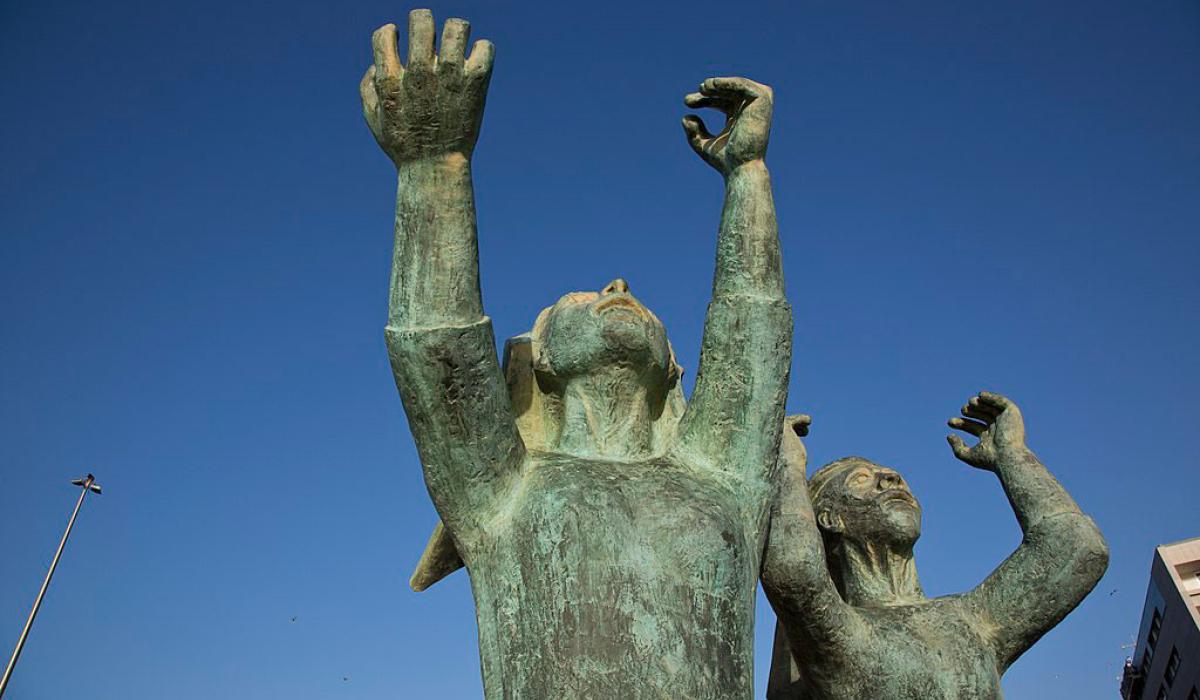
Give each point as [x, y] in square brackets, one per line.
[750, 168]
[448, 162]
[1015, 457]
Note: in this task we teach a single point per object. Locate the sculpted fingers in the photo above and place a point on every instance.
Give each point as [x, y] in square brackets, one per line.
[979, 406]
[366, 89]
[980, 422]
[793, 455]
[995, 401]
[747, 106]
[454, 43]
[420, 41]
[697, 134]
[479, 65]
[959, 447]
[1010, 424]
[973, 410]
[697, 100]
[370, 99]
[743, 87]
[383, 43]
[432, 105]
[967, 426]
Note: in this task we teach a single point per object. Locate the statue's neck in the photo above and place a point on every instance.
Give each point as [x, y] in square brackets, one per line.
[606, 414]
[877, 575]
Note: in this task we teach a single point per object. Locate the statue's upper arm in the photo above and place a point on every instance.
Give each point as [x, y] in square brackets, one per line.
[735, 414]
[1059, 561]
[459, 414]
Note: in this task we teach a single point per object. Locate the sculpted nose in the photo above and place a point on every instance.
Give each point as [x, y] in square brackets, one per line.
[617, 286]
[889, 480]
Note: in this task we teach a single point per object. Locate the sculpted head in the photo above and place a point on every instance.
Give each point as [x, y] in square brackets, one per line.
[857, 500]
[585, 333]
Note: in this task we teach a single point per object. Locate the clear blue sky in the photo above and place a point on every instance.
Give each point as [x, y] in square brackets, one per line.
[196, 236]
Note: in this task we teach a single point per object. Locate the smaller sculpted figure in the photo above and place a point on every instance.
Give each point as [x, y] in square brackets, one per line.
[839, 571]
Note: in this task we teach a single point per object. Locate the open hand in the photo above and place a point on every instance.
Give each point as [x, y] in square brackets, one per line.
[998, 424]
[433, 106]
[747, 106]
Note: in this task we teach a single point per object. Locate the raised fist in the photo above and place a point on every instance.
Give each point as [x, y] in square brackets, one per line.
[433, 106]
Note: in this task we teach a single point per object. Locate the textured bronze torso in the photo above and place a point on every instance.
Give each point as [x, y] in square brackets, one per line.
[603, 576]
[930, 650]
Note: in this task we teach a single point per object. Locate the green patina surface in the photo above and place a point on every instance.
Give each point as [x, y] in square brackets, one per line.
[612, 531]
[854, 623]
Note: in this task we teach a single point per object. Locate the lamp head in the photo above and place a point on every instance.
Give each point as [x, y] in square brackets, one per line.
[89, 482]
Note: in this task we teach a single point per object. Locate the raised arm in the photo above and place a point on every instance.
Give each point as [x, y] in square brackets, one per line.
[1062, 554]
[819, 626]
[734, 416]
[426, 117]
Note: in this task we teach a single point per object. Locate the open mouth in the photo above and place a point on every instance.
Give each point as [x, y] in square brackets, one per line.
[900, 496]
[621, 302]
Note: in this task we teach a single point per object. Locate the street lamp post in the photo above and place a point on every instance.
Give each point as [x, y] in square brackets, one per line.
[87, 484]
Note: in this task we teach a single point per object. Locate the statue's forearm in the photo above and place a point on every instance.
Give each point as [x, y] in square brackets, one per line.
[794, 571]
[795, 575]
[1061, 558]
[435, 263]
[735, 413]
[748, 259]
[442, 349]
[1031, 489]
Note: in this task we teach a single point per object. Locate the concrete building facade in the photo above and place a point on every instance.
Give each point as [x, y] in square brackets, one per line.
[1166, 660]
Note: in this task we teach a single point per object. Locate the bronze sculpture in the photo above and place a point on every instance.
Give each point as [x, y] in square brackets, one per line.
[840, 573]
[613, 538]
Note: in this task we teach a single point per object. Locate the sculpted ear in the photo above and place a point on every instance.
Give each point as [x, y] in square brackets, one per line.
[675, 372]
[830, 522]
[540, 363]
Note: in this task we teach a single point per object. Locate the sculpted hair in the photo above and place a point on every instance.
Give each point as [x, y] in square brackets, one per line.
[820, 493]
[818, 485]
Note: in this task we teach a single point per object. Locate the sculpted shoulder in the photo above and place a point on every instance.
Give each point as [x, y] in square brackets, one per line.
[930, 650]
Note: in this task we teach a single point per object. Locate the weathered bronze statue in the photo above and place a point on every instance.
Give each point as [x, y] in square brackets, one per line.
[613, 535]
[839, 572]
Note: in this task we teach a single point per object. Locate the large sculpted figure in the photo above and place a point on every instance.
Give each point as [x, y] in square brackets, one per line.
[839, 572]
[613, 535]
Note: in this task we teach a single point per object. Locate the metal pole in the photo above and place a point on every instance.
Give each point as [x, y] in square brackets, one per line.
[88, 485]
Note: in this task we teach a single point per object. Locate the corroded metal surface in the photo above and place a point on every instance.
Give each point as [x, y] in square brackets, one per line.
[839, 571]
[613, 532]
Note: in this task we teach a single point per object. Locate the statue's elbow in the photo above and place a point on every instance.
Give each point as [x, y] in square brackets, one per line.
[1089, 549]
[778, 572]
[789, 573]
[1097, 550]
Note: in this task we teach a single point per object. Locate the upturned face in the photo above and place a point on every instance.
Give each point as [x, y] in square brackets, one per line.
[587, 331]
[871, 503]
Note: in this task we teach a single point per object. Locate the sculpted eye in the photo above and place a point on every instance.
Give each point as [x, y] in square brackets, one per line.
[859, 479]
